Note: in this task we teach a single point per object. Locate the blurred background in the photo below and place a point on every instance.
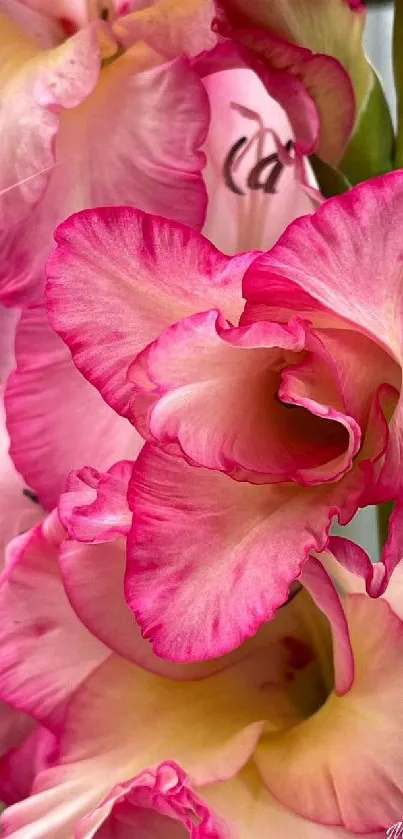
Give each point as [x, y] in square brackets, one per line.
[378, 44]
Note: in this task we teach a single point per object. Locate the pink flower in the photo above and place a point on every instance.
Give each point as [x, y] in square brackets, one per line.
[46, 398]
[108, 123]
[19, 509]
[270, 741]
[305, 39]
[84, 143]
[23, 745]
[262, 420]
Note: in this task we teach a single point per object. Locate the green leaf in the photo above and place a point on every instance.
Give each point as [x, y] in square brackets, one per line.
[331, 181]
[371, 149]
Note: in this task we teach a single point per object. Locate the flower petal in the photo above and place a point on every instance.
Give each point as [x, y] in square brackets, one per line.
[8, 323]
[286, 89]
[215, 391]
[151, 158]
[73, 15]
[355, 560]
[256, 217]
[248, 806]
[331, 28]
[329, 767]
[119, 276]
[153, 804]
[324, 79]
[34, 634]
[347, 257]
[171, 27]
[316, 579]
[93, 576]
[19, 508]
[47, 400]
[35, 84]
[209, 727]
[211, 559]
[20, 766]
[95, 508]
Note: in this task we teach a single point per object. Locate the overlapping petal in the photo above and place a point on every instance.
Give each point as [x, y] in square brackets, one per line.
[216, 391]
[94, 508]
[305, 768]
[151, 158]
[73, 15]
[247, 804]
[35, 84]
[19, 508]
[153, 272]
[157, 802]
[101, 152]
[210, 559]
[24, 761]
[171, 27]
[208, 727]
[35, 630]
[331, 28]
[8, 323]
[47, 401]
[356, 276]
[320, 76]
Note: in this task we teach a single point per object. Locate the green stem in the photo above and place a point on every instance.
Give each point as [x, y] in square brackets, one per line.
[383, 512]
[398, 72]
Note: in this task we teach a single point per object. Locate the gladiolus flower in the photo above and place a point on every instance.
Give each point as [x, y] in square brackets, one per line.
[46, 398]
[71, 131]
[238, 747]
[262, 421]
[24, 746]
[294, 33]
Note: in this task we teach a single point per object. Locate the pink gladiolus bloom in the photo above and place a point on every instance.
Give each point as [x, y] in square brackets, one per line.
[308, 37]
[84, 142]
[24, 746]
[46, 398]
[273, 740]
[85, 120]
[260, 421]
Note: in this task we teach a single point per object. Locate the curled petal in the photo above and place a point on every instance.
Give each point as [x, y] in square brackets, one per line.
[355, 560]
[130, 275]
[209, 727]
[286, 89]
[333, 28]
[347, 259]
[324, 79]
[211, 559]
[46, 401]
[95, 508]
[215, 391]
[150, 803]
